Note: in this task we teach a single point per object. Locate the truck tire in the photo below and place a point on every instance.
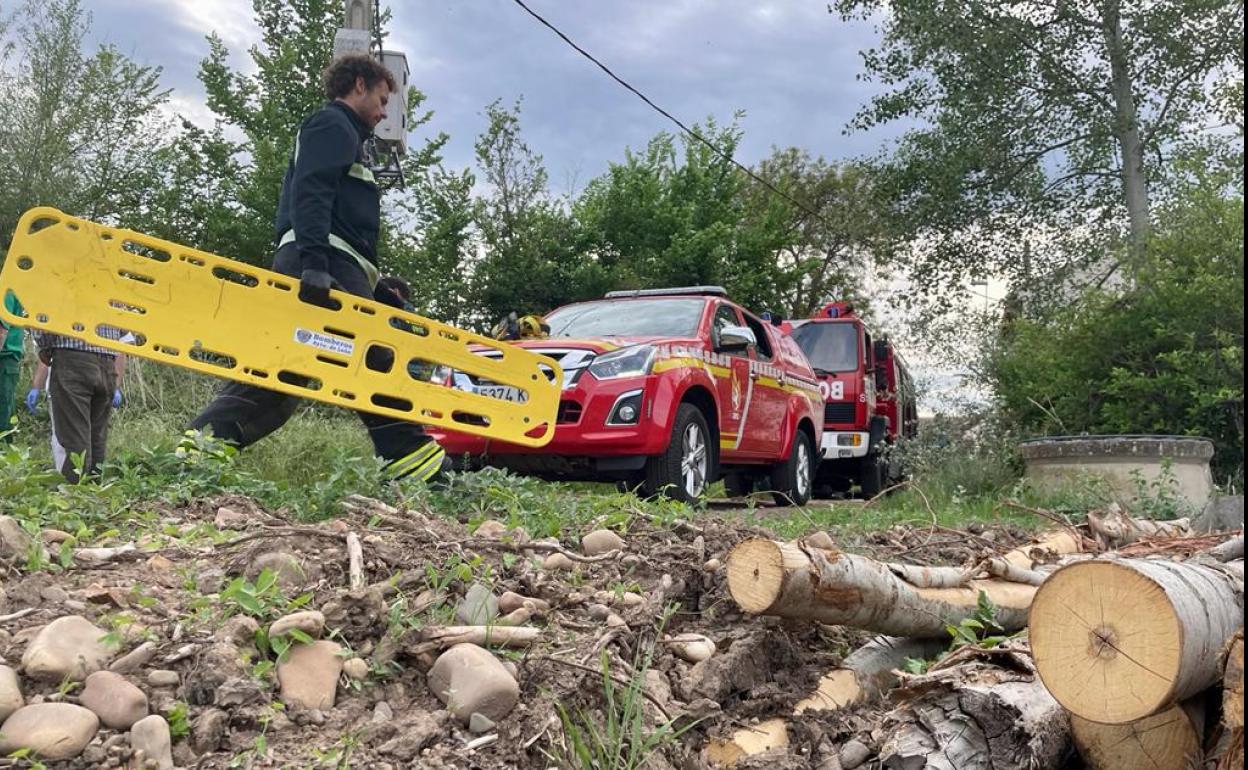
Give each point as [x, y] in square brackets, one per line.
[872, 472]
[793, 479]
[684, 470]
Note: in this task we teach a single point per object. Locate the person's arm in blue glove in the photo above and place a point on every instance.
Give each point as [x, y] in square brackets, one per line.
[119, 369]
[37, 385]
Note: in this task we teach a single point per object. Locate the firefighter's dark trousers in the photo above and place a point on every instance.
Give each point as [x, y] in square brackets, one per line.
[244, 414]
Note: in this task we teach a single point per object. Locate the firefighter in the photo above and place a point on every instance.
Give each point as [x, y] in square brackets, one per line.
[529, 327]
[328, 218]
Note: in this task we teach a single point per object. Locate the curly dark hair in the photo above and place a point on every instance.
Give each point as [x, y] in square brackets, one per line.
[340, 76]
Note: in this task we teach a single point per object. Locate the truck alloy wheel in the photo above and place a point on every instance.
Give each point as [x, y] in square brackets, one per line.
[686, 467]
[792, 480]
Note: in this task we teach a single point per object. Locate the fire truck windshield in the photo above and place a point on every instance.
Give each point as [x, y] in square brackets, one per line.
[831, 347]
[669, 317]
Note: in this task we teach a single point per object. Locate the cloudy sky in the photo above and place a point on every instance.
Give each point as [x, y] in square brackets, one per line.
[790, 65]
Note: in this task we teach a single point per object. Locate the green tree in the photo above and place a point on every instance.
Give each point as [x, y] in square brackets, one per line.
[83, 131]
[530, 261]
[824, 248]
[1051, 120]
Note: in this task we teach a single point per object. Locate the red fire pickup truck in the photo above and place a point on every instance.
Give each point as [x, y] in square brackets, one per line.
[668, 390]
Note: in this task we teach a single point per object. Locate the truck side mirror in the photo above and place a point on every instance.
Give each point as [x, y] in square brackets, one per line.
[735, 339]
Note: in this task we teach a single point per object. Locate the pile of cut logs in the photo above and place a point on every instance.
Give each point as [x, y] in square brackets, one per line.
[1133, 653]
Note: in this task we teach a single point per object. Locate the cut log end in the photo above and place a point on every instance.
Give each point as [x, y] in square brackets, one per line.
[1165, 741]
[756, 574]
[1086, 634]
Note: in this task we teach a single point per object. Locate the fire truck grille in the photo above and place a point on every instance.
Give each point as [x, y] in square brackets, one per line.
[838, 413]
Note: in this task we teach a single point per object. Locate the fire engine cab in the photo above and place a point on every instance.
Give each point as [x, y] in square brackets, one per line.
[869, 400]
[668, 390]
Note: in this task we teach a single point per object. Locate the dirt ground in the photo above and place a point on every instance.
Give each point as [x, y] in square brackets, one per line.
[416, 569]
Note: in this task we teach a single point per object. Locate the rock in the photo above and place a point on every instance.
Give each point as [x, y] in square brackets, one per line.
[239, 631]
[412, 735]
[598, 612]
[10, 692]
[478, 607]
[209, 731]
[160, 565]
[289, 571]
[712, 565]
[358, 615]
[480, 723]
[135, 659]
[356, 669]
[309, 675]
[56, 536]
[117, 702]
[309, 622]
[468, 678]
[382, 713]
[511, 601]
[15, 543]
[854, 754]
[693, 648]
[601, 541]
[228, 518]
[66, 648]
[556, 562]
[491, 528]
[615, 621]
[52, 731]
[1222, 513]
[240, 691]
[162, 677]
[214, 666]
[821, 540]
[517, 618]
[53, 595]
[630, 599]
[150, 735]
[208, 579]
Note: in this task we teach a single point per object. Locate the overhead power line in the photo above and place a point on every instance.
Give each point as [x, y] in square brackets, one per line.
[693, 134]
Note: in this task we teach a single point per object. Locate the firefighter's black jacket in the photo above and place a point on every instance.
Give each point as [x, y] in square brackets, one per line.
[329, 195]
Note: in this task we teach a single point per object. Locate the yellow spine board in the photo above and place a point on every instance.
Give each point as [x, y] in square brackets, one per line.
[220, 317]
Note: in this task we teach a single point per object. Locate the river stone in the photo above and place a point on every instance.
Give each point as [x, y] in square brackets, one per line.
[469, 679]
[15, 543]
[50, 730]
[117, 702]
[478, 607]
[601, 541]
[150, 735]
[66, 648]
[309, 675]
[310, 622]
[10, 692]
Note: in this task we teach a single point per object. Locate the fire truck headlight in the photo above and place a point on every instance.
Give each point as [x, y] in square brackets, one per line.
[635, 361]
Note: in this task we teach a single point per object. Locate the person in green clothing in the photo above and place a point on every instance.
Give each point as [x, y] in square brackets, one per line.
[10, 363]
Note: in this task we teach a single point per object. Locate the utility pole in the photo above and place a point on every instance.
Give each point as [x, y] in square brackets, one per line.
[361, 33]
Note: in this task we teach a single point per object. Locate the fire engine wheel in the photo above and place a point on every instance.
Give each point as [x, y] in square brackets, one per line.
[683, 471]
[872, 473]
[793, 479]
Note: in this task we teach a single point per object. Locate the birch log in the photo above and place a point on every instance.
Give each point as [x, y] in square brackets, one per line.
[766, 577]
[1118, 640]
[1169, 740]
[975, 716]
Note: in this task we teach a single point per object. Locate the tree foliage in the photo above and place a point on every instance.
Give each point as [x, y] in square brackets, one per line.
[1166, 356]
[82, 129]
[1049, 122]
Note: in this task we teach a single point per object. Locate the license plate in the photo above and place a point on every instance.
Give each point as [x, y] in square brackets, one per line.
[502, 392]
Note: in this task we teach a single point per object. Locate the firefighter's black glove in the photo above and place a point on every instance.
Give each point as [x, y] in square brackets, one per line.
[314, 286]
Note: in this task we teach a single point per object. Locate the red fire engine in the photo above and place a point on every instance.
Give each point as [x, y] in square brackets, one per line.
[869, 400]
